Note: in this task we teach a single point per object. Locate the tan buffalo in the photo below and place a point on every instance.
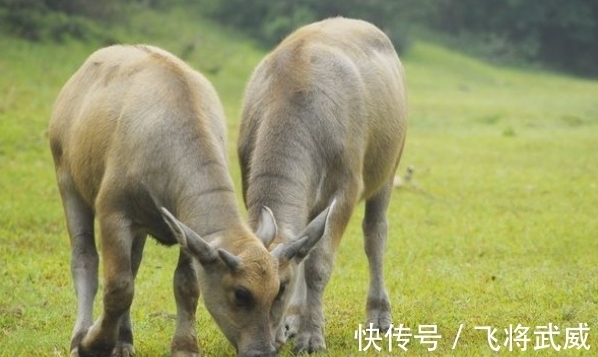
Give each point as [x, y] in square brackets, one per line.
[138, 138]
[323, 123]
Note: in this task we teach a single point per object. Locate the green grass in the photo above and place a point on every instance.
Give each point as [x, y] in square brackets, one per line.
[498, 226]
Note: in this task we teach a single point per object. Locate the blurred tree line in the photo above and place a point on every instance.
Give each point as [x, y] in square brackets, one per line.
[55, 20]
[555, 33]
[271, 20]
[560, 34]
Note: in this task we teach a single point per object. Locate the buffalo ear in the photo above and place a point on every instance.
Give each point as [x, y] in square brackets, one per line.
[300, 247]
[190, 240]
[267, 228]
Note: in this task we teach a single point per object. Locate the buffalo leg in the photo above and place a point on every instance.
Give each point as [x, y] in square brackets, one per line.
[317, 271]
[84, 256]
[117, 241]
[375, 230]
[186, 294]
[124, 346]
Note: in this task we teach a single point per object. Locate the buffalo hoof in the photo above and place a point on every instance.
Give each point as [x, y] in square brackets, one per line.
[309, 342]
[123, 349]
[79, 352]
[381, 321]
[291, 326]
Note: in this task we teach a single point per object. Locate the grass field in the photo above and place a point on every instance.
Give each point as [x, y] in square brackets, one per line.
[497, 228]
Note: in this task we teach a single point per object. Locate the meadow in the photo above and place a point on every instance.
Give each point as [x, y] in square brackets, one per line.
[498, 226]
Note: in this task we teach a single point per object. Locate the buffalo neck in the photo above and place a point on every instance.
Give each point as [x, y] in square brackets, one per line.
[281, 181]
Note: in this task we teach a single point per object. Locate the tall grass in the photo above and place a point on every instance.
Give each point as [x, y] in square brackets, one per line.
[497, 227]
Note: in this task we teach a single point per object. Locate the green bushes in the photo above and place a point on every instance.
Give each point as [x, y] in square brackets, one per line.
[561, 35]
[270, 20]
[57, 20]
[557, 34]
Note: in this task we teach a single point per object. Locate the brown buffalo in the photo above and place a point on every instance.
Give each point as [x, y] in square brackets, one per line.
[138, 138]
[323, 122]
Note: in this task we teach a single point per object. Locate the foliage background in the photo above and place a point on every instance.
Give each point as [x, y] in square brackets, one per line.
[561, 35]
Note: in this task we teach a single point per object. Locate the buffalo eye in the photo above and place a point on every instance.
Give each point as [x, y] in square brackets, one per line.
[243, 297]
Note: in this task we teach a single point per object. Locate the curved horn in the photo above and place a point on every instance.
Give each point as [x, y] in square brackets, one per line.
[300, 247]
[267, 229]
[188, 239]
[315, 228]
[277, 252]
[296, 249]
[231, 260]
